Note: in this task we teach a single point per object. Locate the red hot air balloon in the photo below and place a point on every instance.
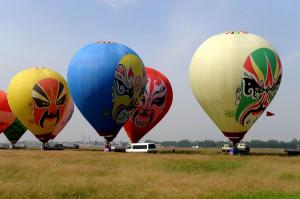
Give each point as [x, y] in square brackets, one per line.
[65, 119]
[6, 115]
[155, 103]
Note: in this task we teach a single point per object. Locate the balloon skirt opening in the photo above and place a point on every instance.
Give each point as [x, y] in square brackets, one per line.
[44, 138]
[108, 140]
[235, 137]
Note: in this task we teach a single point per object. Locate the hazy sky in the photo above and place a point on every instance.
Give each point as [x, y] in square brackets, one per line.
[165, 34]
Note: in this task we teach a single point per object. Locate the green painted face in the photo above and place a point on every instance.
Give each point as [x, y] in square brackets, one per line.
[261, 78]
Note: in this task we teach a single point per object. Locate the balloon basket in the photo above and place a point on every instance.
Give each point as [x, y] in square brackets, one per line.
[233, 151]
[44, 146]
[107, 147]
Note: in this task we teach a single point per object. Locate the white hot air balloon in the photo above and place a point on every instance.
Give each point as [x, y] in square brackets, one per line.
[234, 76]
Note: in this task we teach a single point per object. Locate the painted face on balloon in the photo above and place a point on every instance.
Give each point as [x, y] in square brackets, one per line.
[260, 81]
[152, 103]
[49, 101]
[128, 88]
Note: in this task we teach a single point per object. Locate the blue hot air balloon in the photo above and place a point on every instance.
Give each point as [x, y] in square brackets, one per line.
[106, 81]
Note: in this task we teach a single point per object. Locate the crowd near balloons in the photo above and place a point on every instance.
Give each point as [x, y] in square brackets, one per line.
[233, 75]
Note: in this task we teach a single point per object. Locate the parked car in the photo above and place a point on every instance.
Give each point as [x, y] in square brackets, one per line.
[18, 146]
[243, 148]
[295, 151]
[142, 147]
[53, 147]
[226, 148]
[4, 146]
[70, 146]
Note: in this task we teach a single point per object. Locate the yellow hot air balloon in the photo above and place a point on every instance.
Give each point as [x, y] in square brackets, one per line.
[234, 76]
[39, 98]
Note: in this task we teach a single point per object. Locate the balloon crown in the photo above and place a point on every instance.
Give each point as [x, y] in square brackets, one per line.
[37, 67]
[236, 32]
[105, 42]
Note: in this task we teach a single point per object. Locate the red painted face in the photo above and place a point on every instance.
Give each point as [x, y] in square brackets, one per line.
[154, 105]
[49, 101]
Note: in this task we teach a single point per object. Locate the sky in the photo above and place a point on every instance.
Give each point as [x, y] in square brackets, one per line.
[165, 34]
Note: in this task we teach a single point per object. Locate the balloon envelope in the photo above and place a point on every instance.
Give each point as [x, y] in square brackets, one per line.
[15, 131]
[65, 119]
[6, 115]
[234, 77]
[106, 83]
[155, 104]
[38, 97]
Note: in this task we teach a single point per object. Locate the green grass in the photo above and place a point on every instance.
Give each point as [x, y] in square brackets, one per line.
[290, 177]
[27, 174]
[266, 195]
[191, 166]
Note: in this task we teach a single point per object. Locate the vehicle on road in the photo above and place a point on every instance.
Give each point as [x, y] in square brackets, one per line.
[118, 148]
[18, 146]
[243, 148]
[4, 146]
[70, 146]
[53, 147]
[226, 148]
[295, 151]
[142, 147]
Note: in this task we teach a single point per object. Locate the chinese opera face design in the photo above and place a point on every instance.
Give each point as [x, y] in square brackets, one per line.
[49, 101]
[128, 88]
[260, 81]
[152, 104]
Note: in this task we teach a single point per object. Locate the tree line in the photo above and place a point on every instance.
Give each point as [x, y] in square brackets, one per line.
[210, 143]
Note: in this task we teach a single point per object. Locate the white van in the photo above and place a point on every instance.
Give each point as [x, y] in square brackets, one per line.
[141, 147]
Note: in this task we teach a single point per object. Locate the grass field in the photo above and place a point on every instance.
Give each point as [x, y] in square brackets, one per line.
[95, 174]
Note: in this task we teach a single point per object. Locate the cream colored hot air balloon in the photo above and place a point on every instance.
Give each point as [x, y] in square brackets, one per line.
[234, 76]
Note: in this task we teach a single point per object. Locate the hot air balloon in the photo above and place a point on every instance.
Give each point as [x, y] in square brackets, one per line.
[6, 115]
[14, 132]
[155, 104]
[65, 119]
[106, 81]
[61, 124]
[234, 76]
[39, 98]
